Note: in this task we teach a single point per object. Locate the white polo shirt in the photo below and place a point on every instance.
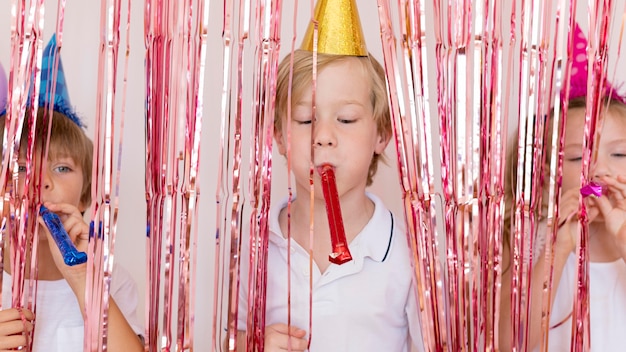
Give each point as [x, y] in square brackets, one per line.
[367, 304]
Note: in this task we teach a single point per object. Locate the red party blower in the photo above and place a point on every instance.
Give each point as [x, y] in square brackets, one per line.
[340, 253]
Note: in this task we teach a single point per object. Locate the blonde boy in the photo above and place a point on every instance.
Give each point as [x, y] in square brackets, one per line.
[368, 303]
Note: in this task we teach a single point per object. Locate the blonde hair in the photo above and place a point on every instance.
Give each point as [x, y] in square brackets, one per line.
[302, 77]
[67, 139]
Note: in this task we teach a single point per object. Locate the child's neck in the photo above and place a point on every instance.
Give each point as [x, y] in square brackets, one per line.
[47, 270]
[356, 210]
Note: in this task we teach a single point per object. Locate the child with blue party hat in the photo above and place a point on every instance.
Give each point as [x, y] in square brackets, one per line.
[366, 302]
[63, 185]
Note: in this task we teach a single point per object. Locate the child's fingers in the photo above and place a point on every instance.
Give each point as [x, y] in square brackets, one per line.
[72, 219]
[288, 329]
[63, 209]
[10, 343]
[15, 327]
[568, 209]
[617, 190]
[13, 324]
[281, 337]
[75, 227]
[592, 212]
[14, 314]
[603, 205]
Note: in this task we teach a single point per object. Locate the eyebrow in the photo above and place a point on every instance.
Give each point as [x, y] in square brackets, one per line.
[342, 102]
[617, 141]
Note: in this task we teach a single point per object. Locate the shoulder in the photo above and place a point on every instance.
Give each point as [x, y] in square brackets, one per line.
[124, 292]
[121, 280]
[120, 273]
[386, 220]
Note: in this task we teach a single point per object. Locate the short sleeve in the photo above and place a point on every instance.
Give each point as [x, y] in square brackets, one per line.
[124, 292]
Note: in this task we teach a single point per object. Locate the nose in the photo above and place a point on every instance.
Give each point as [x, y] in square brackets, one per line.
[324, 134]
[601, 168]
[46, 181]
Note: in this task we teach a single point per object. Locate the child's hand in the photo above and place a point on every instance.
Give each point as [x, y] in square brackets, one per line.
[568, 221]
[78, 232]
[14, 329]
[613, 209]
[279, 336]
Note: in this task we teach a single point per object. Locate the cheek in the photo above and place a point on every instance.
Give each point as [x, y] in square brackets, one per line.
[571, 176]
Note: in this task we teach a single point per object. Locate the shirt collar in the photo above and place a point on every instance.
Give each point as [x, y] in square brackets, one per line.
[374, 241]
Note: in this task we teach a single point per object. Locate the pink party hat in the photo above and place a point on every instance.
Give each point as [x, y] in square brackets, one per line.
[578, 78]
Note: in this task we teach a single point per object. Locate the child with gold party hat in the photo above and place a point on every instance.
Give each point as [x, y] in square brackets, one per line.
[367, 303]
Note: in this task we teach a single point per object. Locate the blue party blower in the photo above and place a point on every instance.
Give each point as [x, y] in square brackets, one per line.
[71, 256]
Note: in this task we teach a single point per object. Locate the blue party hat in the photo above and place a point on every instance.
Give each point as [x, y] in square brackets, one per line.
[61, 100]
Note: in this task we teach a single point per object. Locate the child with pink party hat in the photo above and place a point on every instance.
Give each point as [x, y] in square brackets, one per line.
[606, 211]
[63, 183]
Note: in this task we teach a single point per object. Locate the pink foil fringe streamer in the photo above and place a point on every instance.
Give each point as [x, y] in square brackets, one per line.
[458, 278]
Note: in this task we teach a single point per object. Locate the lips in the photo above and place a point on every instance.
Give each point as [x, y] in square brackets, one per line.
[321, 168]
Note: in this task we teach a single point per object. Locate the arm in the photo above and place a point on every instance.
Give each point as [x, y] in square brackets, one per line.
[121, 336]
[241, 341]
[415, 329]
[564, 245]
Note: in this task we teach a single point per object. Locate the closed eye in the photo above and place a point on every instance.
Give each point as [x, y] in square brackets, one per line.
[346, 121]
[618, 155]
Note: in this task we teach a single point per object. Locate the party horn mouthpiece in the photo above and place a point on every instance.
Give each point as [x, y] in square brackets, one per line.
[593, 189]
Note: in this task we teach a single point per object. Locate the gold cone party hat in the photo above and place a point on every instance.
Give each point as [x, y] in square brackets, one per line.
[339, 29]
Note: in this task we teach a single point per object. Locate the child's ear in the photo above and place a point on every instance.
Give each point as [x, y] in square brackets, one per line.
[280, 142]
[381, 143]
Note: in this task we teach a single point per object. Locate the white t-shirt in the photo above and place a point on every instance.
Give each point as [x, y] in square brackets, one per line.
[607, 307]
[366, 304]
[59, 324]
